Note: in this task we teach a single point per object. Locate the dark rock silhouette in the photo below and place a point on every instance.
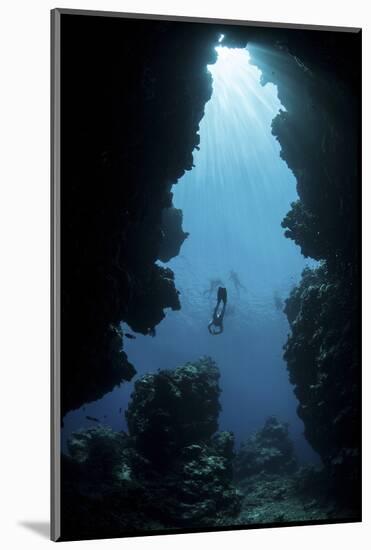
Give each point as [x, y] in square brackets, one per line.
[319, 138]
[323, 364]
[173, 234]
[172, 409]
[132, 102]
[173, 469]
[172, 420]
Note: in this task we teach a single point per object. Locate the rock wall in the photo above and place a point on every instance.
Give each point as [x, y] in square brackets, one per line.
[173, 234]
[133, 94]
[324, 365]
[318, 82]
[318, 76]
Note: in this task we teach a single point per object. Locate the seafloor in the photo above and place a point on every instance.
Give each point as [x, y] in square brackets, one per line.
[283, 499]
[174, 470]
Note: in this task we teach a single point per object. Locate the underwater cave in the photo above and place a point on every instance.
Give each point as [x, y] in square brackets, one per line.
[223, 164]
[232, 202]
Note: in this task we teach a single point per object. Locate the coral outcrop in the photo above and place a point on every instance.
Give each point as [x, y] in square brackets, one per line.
[323, 363]
[270, 450]
[172, 409]
[173, 470]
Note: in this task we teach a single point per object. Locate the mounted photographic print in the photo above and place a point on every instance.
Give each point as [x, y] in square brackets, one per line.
[206, 275]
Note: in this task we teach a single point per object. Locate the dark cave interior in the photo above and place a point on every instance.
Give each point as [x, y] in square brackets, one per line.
[133, 94]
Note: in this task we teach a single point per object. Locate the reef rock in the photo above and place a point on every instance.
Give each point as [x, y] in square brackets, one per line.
[173, 234]
[132, 104]
[318, 132]
[172, 420]
[173, 470]
[268, 451]
[174, 408]
[323, 362]
[100, 497]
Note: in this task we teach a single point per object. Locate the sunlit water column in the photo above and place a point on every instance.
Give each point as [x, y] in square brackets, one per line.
[233, 203]
[235, 198]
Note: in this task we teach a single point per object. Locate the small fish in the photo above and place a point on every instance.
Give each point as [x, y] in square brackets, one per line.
[120, 409]
[130, 336]
[92, 418]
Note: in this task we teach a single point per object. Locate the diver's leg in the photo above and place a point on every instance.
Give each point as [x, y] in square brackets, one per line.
[223, 311]
[224, 295]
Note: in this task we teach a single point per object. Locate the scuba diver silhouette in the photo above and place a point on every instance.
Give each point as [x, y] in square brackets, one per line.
[236, 281]
[213, 285]
[278, 301]
[215, 326]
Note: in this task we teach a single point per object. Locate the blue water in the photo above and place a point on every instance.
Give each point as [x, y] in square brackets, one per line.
[233, 203]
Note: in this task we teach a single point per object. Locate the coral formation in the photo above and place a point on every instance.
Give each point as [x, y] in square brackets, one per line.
[172, 456]
[172, 409]
[323, 364]
[269, 451]
[173, 234]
